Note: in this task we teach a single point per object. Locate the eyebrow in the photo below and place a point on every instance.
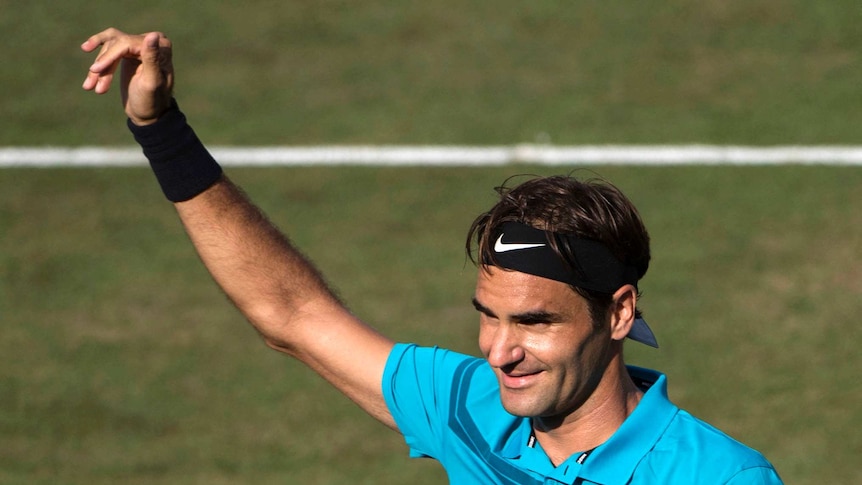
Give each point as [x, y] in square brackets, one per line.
[537, 316]
[482, 308]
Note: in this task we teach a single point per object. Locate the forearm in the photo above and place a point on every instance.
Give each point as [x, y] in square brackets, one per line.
[252, 261]
[279, 291]
[283, 295]
[255, 264]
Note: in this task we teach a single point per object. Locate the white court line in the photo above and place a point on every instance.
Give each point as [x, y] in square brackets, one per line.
[451, 155]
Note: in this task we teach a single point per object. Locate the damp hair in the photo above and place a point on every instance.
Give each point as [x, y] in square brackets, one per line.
[591, 209]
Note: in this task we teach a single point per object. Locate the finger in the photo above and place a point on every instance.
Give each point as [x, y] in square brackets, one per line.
[154, 71]
[94, 75]
[106, 39]
[90, 44]
[150, 57]
[110, 56]
[90, 81]
[98, 39]
[115, 46]
[98, 83]
[103, 84]
[99, 78]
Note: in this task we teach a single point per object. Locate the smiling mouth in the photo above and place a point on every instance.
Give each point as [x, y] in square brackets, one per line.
[518, 381]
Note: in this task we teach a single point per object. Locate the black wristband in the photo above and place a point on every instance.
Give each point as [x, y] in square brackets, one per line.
[181, 163]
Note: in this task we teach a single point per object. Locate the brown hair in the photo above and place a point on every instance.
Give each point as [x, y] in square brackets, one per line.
[589, 209]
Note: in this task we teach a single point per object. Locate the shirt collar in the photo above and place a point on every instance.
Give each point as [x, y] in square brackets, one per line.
[615, 460]
[523, 449]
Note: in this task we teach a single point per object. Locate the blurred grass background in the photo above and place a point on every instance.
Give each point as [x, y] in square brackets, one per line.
[325, 71]
[121, 362]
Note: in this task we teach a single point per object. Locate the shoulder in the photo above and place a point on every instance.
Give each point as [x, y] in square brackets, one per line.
[444, 400]
[680, 448]
[710, 453]
[437, 372]
[703, 436]
[428, 363]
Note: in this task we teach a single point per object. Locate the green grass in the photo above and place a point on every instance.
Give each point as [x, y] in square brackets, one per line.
[122, 362]
[264, 72]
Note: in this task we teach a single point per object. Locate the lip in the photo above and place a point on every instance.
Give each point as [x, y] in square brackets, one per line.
[518, 381]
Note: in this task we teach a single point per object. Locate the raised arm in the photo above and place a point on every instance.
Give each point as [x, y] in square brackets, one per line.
[274, 286]
[283, 296]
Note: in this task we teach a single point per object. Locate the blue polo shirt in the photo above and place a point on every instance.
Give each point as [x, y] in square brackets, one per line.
[447, 406]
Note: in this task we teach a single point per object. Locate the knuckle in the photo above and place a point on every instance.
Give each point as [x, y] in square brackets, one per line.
[164, 41]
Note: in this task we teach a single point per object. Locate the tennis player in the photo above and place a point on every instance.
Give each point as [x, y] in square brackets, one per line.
[558, 266]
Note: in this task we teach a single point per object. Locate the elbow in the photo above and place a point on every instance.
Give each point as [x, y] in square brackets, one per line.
[286, 328]
[279, 345]
[273, 325]
[286, 308]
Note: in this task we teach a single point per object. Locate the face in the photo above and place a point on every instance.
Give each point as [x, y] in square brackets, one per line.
[538, 337]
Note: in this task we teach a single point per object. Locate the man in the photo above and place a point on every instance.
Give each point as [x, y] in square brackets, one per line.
[559, 262]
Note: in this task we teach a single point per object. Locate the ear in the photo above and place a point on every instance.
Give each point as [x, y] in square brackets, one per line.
[622, 314]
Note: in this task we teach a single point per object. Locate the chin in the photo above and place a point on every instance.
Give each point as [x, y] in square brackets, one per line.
[517, 406]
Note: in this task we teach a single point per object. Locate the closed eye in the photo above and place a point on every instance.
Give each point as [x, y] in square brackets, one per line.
[536, 318]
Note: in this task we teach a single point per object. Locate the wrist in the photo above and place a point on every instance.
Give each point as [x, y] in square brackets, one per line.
[182, 165]
[165, 105]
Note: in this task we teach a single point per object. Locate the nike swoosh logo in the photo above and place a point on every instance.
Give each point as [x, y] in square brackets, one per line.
[502, 247]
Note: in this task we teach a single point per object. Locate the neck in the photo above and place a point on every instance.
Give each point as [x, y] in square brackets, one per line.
[613, 400]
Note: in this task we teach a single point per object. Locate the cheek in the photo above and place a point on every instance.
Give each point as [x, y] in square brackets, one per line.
[594, 353]
[550, 349]
[559, 347]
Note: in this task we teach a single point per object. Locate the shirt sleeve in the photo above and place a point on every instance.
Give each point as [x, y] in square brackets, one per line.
[417, 386]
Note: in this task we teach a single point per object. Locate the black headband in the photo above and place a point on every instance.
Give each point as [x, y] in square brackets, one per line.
[527, 249]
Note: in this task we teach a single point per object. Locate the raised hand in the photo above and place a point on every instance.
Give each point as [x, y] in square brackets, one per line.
[146, 71]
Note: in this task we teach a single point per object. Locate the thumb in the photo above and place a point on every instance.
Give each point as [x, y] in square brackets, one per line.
[156, 70]
[150, 53]
[147, 91]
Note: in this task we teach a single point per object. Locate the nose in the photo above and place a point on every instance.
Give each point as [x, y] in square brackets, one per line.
[502, 346]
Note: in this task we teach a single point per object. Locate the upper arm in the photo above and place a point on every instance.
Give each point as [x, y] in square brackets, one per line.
[282, 294]
[342, 349]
